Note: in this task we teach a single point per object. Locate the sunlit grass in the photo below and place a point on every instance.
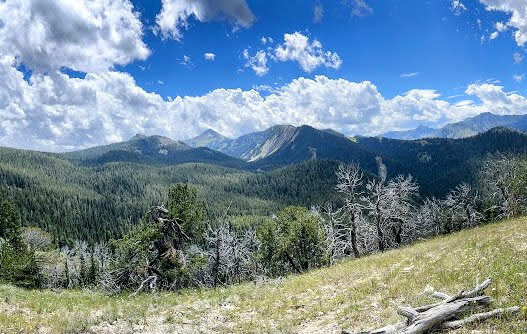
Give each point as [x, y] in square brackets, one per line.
[355, 294]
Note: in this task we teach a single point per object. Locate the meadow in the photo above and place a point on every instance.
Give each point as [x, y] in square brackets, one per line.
[353, 295]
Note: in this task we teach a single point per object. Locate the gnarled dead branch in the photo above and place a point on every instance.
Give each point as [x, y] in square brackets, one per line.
[150, 282]
[450, 313]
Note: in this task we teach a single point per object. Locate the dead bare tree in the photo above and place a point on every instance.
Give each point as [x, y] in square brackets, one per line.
[252, 246]
[402, 191]
[376, 202]
[335, 231]
[197, 269]
[449, 313]
[461, 208]
[150, 281]
[428, 218]
[104, 261]
[36, 238]
[389, 204]
[504, 177]
[229, 253]
[368, 236]
[349, 186]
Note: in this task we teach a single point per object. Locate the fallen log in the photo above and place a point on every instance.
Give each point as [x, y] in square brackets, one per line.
[449, 313]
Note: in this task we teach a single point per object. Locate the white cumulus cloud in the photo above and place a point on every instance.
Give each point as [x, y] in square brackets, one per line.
[186, 61]
[518, 77]
[175, 14]
[457, 7]
[358, 7]
[209, 56]
[266, 40]
[517, 9]
[308, 54]
[409, 75]
[54, 112]
[258, 62]
[84, 35]
[517, 57]
[296, 47]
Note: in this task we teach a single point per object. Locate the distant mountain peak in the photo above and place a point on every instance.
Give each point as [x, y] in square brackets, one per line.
[138, 136]
[469, 127]
[157, 140]
[333, 132]
[208, 138]
[212, 133]
[283, 126]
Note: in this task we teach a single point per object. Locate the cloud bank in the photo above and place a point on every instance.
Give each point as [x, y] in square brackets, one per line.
[55, 112]
[86, 36]
[47, 109]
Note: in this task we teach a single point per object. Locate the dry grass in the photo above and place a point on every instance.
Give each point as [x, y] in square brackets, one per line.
[355, 294]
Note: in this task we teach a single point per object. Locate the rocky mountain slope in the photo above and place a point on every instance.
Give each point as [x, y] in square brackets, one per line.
[249, 147]
[466, 128]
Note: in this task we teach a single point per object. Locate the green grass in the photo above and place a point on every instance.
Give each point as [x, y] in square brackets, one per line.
[356, 294]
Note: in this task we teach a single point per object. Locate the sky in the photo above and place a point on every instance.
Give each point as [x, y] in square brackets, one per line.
[75, 74]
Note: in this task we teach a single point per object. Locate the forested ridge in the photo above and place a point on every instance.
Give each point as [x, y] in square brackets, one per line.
[122, 226]
[94, 203]
[72, 197]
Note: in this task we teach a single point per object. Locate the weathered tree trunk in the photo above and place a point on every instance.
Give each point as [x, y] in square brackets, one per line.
[353, 233]
[380, 233]
[397, 234]
[444, 315]
[217, 260]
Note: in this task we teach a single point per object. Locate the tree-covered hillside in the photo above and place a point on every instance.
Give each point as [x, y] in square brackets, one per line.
[96, 194]
[152, 150]
[75, 201]
[440, 164]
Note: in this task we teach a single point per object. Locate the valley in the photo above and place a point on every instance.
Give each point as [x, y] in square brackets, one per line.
[280, 167]
[107, 189]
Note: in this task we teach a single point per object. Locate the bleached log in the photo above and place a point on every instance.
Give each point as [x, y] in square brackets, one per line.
[440, 295]
[408, 312]
[480, 317]
[444, 315]
[478, 289]
[435, 317]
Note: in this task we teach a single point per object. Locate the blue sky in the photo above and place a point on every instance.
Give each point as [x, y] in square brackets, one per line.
[91, 72]
[397, 37]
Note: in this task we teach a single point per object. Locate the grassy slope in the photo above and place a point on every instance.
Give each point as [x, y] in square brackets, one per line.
[352, 295]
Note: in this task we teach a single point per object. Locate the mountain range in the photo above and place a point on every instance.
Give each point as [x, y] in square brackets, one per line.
[249, 147]
[152, 150]
[285, 145]
[466, 128]
[107, 188]
[451, 161]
